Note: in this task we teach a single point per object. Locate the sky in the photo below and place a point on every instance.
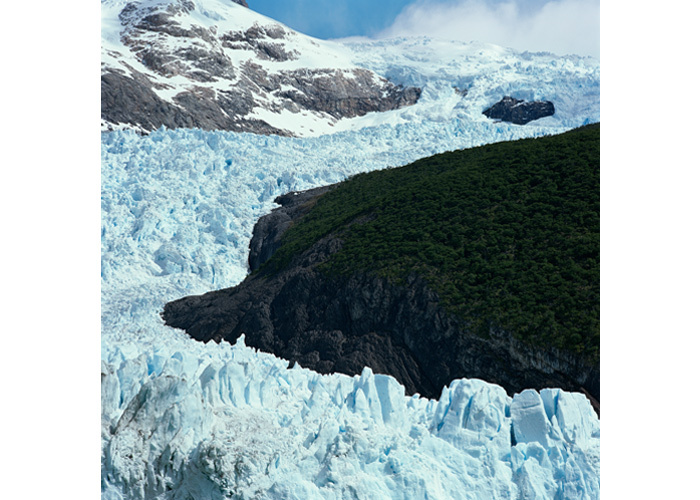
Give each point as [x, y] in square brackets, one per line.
[558, 26]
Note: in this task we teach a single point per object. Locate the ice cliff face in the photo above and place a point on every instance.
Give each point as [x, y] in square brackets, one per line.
[221, 421]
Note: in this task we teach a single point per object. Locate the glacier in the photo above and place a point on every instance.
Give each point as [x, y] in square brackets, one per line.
[182, 419]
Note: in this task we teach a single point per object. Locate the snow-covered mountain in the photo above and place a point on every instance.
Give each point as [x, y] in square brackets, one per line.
[185, 420]
[216, 65]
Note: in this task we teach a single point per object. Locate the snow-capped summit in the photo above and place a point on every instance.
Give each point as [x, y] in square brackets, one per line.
[217, 65]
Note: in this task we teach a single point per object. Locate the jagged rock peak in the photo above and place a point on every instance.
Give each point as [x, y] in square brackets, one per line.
[267, 233]
[241, 2]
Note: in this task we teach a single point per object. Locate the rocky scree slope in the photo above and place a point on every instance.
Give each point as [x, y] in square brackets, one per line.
[216, 65]
[306, 306]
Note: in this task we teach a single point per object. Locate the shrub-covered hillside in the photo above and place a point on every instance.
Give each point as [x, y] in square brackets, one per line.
[507, 234]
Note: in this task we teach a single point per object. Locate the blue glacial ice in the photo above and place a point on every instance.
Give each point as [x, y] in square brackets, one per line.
[221, 421]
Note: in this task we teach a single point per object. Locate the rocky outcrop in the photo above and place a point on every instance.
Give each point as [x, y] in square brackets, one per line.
[518, 111]
[265, 42]
[344, 323]
[130, 99]
[267, 233]
[178, 73]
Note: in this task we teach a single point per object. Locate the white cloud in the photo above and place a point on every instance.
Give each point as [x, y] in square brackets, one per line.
[559, 26]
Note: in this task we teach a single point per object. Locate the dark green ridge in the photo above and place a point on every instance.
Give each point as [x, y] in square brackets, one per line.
[507, 234]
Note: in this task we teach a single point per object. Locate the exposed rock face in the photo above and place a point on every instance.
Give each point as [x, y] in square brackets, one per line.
[518, 111]
[241, 2]
[171, 71]
[267, 233]
[132, 100]
[342, 324]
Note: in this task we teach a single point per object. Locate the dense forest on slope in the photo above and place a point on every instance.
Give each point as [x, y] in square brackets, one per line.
[507, 234]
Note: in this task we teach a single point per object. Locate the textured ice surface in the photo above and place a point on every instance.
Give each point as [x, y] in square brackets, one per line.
[221, 421]
[186, 420]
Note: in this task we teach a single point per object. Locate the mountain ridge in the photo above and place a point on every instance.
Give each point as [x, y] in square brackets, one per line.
[216, 65]
[219, 66]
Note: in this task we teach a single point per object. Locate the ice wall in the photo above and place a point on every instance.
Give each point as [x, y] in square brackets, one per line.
[221, 421]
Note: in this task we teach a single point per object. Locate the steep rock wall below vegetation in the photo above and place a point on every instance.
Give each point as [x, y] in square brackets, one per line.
[344, 323]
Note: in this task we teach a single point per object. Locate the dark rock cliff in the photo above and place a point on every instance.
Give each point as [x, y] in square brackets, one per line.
[518, 111]
[130, 99]
[342, 324]
[267, 233]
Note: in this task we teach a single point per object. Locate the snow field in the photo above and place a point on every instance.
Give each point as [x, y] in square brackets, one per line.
[462, 79]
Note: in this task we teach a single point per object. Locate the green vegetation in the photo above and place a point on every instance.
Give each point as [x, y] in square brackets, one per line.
[507, 234]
